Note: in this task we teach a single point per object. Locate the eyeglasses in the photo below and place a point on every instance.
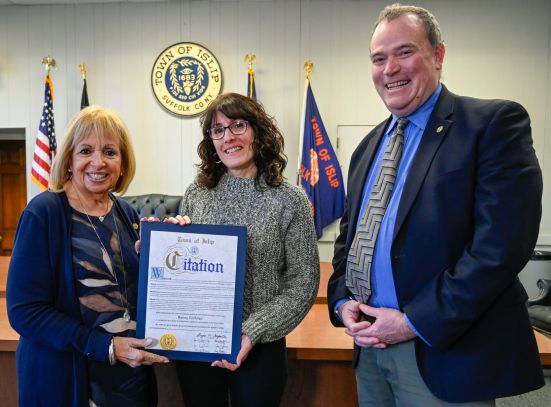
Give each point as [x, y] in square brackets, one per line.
[237, 128]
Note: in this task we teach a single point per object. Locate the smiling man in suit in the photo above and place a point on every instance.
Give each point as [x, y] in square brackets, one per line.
[443, 212]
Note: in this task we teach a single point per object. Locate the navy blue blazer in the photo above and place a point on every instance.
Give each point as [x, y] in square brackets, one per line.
[43, 305]
[467, 223]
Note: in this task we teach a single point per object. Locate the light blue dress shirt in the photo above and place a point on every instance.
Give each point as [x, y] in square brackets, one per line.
[383, 292]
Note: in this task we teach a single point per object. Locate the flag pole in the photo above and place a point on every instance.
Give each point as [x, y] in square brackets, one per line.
[308, 68]
[48, 62]
[82, 68]
[250, 59]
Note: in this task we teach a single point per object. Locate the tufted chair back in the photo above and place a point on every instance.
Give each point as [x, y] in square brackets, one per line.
[157, 205]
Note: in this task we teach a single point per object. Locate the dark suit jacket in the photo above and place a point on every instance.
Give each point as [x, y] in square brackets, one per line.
[467, 224]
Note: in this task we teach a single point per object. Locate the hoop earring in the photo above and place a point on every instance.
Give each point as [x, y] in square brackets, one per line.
[219, 160]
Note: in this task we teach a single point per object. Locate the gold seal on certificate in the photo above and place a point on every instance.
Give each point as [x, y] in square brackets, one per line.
[168, 342]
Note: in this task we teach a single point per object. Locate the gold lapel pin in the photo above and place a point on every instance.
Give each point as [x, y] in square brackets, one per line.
[439, 129]
[135, 226]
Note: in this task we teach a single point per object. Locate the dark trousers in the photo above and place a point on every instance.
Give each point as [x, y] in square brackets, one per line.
[259, 381]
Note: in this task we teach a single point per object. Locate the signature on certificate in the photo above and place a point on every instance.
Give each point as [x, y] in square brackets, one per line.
[212, 342]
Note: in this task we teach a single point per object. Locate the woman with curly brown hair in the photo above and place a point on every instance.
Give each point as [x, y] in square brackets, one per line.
[240, 182]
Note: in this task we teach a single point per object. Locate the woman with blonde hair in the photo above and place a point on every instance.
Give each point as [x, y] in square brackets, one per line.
[72, 281]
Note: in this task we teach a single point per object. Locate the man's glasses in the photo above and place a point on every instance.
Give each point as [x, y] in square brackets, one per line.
[237, 128]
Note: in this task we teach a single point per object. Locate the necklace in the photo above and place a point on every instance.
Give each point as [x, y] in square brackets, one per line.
[124, 303]
[101, 217]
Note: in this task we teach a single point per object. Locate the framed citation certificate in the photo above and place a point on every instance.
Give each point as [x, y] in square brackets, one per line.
[190, 290]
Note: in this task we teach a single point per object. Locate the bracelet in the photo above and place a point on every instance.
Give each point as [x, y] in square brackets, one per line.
[112, 357]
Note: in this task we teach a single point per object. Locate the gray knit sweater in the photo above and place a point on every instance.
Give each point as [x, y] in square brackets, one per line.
[282, 275]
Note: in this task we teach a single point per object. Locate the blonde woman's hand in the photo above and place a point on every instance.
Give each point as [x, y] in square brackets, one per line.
[138, 243]
[127, 350]
[150, 219]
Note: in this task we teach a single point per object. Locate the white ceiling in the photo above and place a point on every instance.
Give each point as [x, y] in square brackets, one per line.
[48, 2]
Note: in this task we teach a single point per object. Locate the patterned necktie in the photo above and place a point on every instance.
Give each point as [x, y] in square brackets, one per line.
[360, 256]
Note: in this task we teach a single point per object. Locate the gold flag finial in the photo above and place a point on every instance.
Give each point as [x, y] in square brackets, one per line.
[308, 67]
[82, 70]
[250, 59]
[48, 62]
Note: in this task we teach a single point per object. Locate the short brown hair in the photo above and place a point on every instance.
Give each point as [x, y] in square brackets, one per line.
[99, 121]
[268, 143]
[432, 28]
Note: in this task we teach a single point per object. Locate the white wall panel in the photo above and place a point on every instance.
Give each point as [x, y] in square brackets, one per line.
[495, 49]
[4, 105]
[545, 135]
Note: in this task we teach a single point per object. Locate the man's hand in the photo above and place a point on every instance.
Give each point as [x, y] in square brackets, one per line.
[349, 312]
[355, 323]
[390, 327]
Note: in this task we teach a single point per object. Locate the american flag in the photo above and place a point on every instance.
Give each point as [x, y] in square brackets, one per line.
[46, 146]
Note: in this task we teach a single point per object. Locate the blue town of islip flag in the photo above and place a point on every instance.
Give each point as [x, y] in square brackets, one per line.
[320, 172]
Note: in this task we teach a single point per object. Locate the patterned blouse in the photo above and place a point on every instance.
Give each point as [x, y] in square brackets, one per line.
[104, 299]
